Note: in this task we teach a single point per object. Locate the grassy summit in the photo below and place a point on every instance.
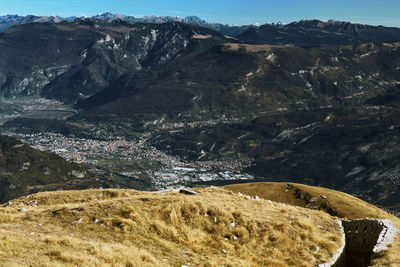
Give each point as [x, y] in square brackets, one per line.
[217, 227]
[132, 228]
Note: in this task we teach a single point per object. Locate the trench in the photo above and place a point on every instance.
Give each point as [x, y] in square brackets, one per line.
[361, 238]
[364, 239]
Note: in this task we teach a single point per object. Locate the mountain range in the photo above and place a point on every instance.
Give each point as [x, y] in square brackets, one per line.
[7, 21]
[313, 102]
[85, 56]
[304, 32]
[11, 20]
[317, 33]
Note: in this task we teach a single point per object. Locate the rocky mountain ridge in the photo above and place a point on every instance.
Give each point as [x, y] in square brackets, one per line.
[7, 21]
[304, 32]
[308, 33]
[73, 60]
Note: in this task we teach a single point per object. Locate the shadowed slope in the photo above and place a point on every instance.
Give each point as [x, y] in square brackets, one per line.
[24, 170]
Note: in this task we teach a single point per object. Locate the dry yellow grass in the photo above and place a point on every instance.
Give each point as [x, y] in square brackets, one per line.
[131, 228]
[344, 205]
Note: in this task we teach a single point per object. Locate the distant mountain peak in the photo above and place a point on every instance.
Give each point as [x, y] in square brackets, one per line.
[106, 14]
[324, 23]
[194, 20]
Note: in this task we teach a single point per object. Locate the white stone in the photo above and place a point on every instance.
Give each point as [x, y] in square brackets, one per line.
[78, 220]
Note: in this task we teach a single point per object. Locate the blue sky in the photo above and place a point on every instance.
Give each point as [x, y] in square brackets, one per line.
[375, 12]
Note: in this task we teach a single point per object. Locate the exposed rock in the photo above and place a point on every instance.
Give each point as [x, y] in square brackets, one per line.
[78, 221]
[78, 174]
[187, 191]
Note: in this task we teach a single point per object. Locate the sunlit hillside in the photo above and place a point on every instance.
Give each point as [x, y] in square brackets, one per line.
[217, 227]
[334, 202]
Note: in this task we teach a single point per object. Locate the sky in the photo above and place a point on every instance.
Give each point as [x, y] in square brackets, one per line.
[233, 12]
